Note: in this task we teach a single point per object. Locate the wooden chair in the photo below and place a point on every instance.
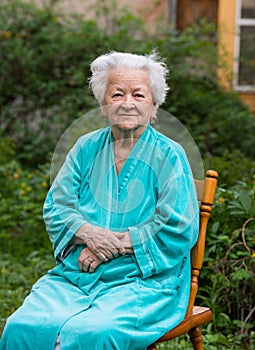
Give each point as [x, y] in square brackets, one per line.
[196, 315]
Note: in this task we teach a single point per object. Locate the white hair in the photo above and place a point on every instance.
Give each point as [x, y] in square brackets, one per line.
[157, 70]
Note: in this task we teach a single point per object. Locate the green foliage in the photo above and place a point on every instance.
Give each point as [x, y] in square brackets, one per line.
[25, 248]
[216, 118]
[44, 72]
[214, 341]
[227, 282]
[7, 147]
[43, 75]
[17, 275]
[232, 167]
[22, 193]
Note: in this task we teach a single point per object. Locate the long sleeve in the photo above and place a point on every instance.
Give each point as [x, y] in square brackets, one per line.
[165, 239]
[61, 209]
[71, 201]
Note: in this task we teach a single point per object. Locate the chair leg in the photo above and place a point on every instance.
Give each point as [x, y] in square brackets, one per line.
[195, 335]
[152, 347]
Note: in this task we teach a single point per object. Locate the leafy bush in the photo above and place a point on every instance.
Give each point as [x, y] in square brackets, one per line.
[215, 117]
[227, 282]
[25, 248]
[232, 167]
[22, 195]
[43, 75]
[18, 274]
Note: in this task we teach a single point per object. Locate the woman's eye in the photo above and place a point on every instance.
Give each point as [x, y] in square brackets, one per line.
[139, 95]
[118, 94]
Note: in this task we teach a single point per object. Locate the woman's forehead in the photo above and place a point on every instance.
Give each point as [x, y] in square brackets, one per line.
[122, 76]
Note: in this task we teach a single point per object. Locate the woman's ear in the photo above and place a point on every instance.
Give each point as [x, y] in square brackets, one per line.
[103, 111]
[153, 113]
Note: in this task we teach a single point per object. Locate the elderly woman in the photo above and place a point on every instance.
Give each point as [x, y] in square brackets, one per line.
[122, 216]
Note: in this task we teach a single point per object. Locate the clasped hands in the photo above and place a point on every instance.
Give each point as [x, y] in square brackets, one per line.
[101, 245]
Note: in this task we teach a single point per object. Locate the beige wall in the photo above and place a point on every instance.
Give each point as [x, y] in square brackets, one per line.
[149, 10]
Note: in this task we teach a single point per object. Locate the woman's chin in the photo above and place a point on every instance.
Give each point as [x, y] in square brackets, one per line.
[128, 126]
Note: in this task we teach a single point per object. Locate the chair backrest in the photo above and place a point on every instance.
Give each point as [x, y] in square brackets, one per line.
[205, 193]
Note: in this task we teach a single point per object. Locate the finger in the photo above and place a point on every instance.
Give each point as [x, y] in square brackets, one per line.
[82, 258]
[114, 252]
[129, 250]
[102, 255]
[84, 263]
[94, 265]
[83, 255]
[110, 255]
[117, 245]
[85, 267]
[80, 266]
[122, 251]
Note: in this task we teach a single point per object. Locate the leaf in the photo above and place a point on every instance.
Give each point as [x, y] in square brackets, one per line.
[241, 275]
[215, 226]
[245, 201]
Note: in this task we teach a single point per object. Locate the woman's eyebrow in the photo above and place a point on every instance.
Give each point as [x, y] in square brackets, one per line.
[118, 88]
[138, 88]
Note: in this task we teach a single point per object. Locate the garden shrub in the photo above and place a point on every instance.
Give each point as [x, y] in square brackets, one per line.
[19, 273]
[215, 117]
[44, 71]
[44, 75]
[227, 282]
[22, 193]
[25, 249]
[232, 167]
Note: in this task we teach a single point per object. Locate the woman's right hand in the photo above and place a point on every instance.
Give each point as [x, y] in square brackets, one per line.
[102, 242]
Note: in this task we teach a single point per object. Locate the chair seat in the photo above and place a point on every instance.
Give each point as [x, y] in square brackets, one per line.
[199, 316]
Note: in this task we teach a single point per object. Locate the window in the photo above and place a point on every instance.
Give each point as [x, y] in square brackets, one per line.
[244, 79]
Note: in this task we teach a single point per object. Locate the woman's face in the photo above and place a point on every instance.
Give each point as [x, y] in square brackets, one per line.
[129, 103]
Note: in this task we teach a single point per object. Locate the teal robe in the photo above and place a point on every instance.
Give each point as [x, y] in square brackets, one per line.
[130, 301]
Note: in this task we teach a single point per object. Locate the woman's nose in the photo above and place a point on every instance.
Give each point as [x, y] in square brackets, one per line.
[127, 106]
[128, 103]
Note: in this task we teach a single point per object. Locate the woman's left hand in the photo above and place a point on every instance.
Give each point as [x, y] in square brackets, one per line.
[88, 261]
